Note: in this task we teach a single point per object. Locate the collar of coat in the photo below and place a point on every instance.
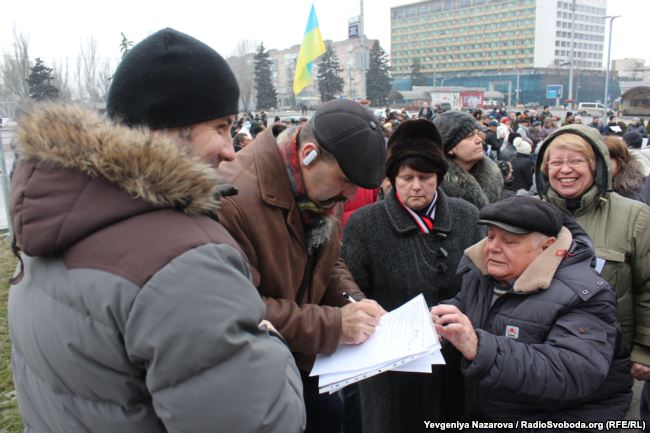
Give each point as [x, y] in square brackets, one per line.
[539, 274]
[403, 222]
[146, 164]
[481, 186]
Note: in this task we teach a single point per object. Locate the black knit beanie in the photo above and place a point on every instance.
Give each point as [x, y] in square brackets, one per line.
[454, 126]
[170, 80]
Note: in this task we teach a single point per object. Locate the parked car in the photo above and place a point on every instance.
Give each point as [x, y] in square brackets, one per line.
[592, 109]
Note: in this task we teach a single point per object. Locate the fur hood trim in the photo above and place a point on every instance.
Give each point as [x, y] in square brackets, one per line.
[482, 186]
[145, 163]
[629, 181]
[539, 274]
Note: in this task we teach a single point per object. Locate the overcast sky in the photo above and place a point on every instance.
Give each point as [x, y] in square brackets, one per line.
[57, 28]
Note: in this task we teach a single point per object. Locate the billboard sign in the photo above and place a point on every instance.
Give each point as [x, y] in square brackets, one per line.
[554, 91]
[353, 30]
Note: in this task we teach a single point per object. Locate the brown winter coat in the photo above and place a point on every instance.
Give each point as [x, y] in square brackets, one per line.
[264, 219]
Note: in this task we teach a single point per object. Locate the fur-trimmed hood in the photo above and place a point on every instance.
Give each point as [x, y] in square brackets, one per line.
[602, 177]
[79, 172]
[629, 180]
[481, 186]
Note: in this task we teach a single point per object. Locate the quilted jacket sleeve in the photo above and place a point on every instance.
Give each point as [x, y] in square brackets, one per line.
[641, 286]
[571, 364]
[194, 328]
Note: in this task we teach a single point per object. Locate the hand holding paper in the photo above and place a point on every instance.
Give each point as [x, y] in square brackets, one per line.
[403, 336]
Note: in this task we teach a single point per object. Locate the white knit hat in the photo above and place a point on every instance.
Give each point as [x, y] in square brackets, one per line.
[522, 146]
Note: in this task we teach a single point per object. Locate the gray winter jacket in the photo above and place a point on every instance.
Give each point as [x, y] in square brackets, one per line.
[135, 311]
[549, 348]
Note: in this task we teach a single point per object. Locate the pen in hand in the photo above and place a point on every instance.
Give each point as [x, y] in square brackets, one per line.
[349, 297]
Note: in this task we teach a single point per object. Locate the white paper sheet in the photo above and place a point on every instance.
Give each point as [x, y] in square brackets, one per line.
[405, 339]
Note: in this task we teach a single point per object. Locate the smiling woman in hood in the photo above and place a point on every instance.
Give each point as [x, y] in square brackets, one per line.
[573, 172]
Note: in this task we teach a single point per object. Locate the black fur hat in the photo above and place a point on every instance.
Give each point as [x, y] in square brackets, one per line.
[416, 139]
[170, 80]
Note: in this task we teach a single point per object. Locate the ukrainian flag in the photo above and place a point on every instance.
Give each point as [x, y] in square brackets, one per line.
[312, 47]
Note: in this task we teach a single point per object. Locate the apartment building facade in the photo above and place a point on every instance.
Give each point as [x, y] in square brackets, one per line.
[494, 43]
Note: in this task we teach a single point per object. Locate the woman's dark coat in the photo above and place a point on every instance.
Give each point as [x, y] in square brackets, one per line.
[392, 261]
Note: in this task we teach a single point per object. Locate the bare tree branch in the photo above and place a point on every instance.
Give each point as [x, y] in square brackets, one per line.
[242, 64]
[15, 70]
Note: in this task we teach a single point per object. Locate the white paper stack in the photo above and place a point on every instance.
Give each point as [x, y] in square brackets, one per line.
[404, 340]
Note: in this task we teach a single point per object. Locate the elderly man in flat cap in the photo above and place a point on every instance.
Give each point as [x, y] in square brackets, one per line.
[535, 323]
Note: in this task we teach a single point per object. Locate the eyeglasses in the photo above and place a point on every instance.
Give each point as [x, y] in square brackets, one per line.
[571, 162]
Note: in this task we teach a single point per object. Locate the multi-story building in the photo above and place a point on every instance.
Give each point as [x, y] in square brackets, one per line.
[505, 39]
[352, 54]
[631, 69]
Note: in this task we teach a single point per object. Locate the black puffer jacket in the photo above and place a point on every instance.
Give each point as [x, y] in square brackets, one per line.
[522, 173]
[549, 349]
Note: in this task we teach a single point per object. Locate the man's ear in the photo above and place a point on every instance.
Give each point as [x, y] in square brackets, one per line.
[308, 153]
[548, 242]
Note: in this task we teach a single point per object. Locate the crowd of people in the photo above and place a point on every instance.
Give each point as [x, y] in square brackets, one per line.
[181, 266]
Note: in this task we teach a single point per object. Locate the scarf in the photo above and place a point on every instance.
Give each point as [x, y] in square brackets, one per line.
[424, 218]
[317, 221]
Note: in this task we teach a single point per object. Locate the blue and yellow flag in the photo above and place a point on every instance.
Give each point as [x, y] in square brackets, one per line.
[312, 47]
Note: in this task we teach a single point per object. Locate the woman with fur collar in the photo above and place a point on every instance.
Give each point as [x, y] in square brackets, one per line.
[471, 176]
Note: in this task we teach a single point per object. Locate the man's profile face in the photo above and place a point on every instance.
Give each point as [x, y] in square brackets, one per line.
[507, 255]
[210, 140]
[325, 182]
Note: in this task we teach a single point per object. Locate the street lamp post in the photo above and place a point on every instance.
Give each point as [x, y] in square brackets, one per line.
[609, 50]
[517, 90]
[571, 61]
[433, 68]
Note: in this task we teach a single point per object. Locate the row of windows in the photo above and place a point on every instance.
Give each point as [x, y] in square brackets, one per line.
[478, 46]
[580, 17]
[584, 27]
[504, 64]
[431, 29]
[476, 51]
[582, 8]
[580, 63]
[470, 37]
[579, 54]
[453, 8]
[515, 16]
[469, 34]
[400, 55]
[407, 57]
[583, 36]
[579, 45]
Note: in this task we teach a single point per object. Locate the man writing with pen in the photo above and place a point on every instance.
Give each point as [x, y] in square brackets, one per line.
[291, 187]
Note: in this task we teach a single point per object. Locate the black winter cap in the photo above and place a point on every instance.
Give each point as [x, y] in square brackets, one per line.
[350, 132]
[169, 80]
[416, 138]
[523, 215]
[454, 126]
